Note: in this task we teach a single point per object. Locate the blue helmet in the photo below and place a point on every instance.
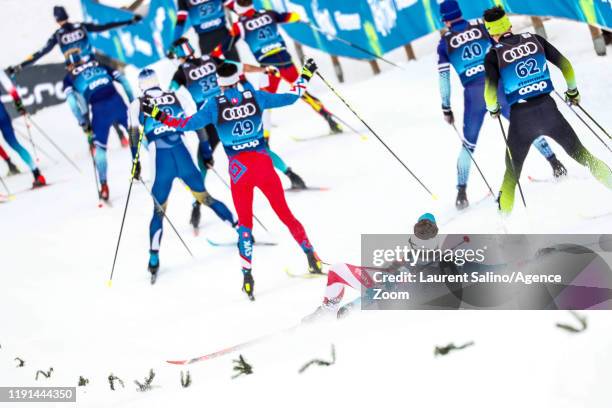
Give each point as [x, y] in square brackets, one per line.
[147, 79]
[60, 13]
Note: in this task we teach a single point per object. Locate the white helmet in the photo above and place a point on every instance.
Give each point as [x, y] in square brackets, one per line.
[147, 79]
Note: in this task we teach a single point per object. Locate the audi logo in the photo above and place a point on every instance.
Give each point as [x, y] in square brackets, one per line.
[197, 2]
[540, 86]
[253, 143]
[72, 37]
[239, 112]
[465, 37]
[258, 22]
[523, 50]
[167, 99]
[474, 70]
[202, 71]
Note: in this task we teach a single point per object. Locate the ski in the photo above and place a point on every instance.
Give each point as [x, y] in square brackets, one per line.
[306, 275]
[554, 179]
[298, 190]
[596, 216]
[459, 213]
[234, 348]
[234, 243]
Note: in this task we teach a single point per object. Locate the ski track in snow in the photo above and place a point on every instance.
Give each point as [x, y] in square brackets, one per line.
[57, 249]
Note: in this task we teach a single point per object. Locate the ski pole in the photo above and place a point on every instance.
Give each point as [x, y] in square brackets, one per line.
[127, 201]
[29, 118]
[376, 135]
[352, 45]
[29, 133]
[352, 129]
[40, 149]
[160, 208]
[473, 160]
[230, 188]
[594, 121]
[583, 121]
[501, 126]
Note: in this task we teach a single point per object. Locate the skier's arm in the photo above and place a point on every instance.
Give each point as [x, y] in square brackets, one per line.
[444, 75]
[78, 108]
[554, 56]
[119, 77]
[284, 18]
[40, 53]
[96, 28]
[181, 19]
[491, 82]
[178, 80]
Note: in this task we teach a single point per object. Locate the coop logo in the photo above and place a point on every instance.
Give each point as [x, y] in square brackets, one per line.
[474, 70]
[247, 145]
[162, 129]
[212, 23]
[540, 86]
[239, 112]
[197, 2]
[521, 51]
[72, 37]
[258, 22]
[202, 71]
[463, 38]
[99, 82]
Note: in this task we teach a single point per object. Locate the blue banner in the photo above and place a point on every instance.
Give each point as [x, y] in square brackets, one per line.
[384, 25]
[138, 44]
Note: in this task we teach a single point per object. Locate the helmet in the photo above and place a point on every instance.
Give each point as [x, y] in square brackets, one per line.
[181, 48]
[147, 79]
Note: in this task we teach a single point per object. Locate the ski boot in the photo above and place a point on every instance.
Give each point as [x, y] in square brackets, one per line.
[461, 202]
[124, 141]
[153, 266]
[195, 216]
[558, 168]
[104, 194]
[296, 181]
[13, 170]
[39, 179]
[314, 263]
[334, 126]
[326, 311]
[248, 285]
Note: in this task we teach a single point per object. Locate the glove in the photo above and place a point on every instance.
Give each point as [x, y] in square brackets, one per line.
[86, 126]
[309, 69]
[20, 108]
[13, 69]
[150, 109]
[137, 170]
[572, 97]
[495, 113]
[449, 117]
[136, 19]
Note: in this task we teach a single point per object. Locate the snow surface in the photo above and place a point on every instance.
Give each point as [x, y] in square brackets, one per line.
[57, 248]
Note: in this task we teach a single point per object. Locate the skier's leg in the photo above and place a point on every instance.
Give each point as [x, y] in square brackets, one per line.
[242, 194]
[9, 135]
[473, 117]
[3, 154]
[101, 126]
[164, 175]
[189, 174]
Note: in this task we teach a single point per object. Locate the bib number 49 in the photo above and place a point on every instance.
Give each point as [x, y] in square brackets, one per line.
[243, 128]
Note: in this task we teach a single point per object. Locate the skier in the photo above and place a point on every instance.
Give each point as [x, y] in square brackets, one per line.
[172, 159]
[259, 29]
[237, 115]
[6, 126]
[11, 166]
[520, 62]
[71, 36]
[94, 82]
[464, 46]
[343, 275]
[198, 75]
[208, 20]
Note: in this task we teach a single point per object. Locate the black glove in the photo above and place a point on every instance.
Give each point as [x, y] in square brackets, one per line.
[13, 69]
[572, 97]
[137, 170]
[495, 113]
[150, 109]
[449, 117]
[136, 19]
[20, 108]
[309, 69]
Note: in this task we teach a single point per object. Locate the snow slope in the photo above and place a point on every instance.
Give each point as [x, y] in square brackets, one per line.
[57, 248]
